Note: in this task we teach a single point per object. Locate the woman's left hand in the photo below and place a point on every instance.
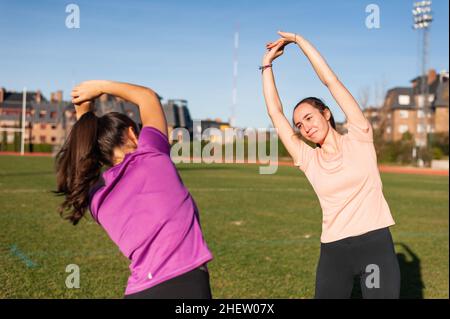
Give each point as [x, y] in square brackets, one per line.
[85, 105]
[286, 38]
[85, 91]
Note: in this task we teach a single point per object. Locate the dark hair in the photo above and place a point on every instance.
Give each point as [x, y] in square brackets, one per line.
[318, 104]
[89, 146]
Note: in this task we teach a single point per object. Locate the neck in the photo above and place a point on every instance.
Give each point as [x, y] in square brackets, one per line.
[331, 143]
[119, 155]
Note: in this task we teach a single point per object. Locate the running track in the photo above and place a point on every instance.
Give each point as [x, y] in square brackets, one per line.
[383, 168]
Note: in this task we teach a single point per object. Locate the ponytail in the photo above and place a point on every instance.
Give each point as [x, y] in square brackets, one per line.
[89, 146]
[78, 167]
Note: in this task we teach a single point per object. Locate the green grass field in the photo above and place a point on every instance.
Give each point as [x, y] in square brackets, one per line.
[263, 230]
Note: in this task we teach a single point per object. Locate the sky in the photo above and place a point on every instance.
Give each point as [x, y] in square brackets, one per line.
[185, 49]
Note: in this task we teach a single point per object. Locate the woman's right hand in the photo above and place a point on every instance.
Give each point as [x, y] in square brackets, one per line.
[274, 50]
[85, 91]
[278, 46]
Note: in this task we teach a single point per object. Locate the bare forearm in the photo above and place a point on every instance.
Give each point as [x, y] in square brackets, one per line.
[279, 120]
[82, 108]
[271, 96]
[131, 92]
[325, 73]
[150, 108]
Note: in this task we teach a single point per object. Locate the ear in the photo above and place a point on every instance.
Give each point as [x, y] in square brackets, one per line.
[327, 114]
[131, 135]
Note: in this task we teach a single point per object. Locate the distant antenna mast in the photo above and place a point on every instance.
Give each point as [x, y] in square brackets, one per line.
[235, 74]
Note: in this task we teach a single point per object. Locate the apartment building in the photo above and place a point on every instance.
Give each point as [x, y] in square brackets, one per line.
[44, 120]
[405, 109]
[50, 121]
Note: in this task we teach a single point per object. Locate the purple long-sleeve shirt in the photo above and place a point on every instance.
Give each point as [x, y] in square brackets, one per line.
[150, 215]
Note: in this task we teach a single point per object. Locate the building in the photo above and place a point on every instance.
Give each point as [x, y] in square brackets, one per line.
[440, 108]
[341, 127]
[177, 116]
[401, 113]
[176, 111]
[44, 120]
[373, 115]
[201, 126]
[404, 109]
[49, 122]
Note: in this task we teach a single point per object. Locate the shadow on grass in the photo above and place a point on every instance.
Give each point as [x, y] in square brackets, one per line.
[411, 284]
[411, 276]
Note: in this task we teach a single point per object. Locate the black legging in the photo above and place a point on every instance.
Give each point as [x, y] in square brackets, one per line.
[364, 256]
[191, 285]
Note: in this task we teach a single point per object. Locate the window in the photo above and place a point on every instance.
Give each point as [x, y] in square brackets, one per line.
[53, 127]
[42, 138]
[420, 128]
[420, 101]
[53, 138]
[53, 115]
[389, 115]
[403, 99]
[403, 114]
[388, 130]
[402, 128]
[43, 126]
[420, 114]
[42, 114]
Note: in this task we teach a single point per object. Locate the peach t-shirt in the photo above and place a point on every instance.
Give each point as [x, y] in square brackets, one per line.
[348, 185]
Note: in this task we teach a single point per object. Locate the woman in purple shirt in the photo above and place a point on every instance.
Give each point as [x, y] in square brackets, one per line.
[140, 199]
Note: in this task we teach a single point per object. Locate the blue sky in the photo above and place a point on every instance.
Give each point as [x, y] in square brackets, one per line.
[184, 49]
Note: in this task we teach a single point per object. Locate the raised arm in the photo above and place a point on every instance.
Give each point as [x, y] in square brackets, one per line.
[275, 109]
[146, 99]
[82, 108]
[339, 92]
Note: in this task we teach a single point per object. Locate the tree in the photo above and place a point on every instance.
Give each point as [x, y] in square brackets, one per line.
[364, 96]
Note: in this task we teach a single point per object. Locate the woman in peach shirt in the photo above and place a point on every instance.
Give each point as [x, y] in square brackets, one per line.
[343, 172]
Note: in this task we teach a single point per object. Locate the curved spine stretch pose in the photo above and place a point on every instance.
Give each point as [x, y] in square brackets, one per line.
[355, 240]
[140, 199]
